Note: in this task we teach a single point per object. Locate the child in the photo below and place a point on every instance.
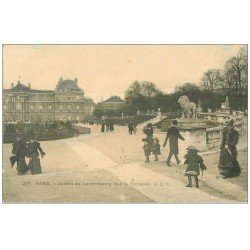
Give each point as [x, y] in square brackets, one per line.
[146, 149]
[156, 148]
[194, 164]
[151, 146]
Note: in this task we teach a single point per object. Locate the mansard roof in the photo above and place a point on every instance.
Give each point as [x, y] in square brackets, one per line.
[114, 99]
[67, 85]
[22, 88]
[89, 100]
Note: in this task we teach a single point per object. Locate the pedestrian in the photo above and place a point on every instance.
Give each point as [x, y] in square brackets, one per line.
[111, 126]
[151, 146]
[173, 135]
[194, 164]
[107, 126]
[148, 130]
[34, 148]
[147, 149]
[228, 164]
[130, 128]
[102, 126]
[19, 151]
[156, 148]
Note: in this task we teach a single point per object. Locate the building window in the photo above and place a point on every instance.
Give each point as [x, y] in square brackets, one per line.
[77, 107]
[49, 108]
[69, 108]
[40, 107]
[31, 108]
[13, 99]
[5, 107]
[69, 98]
[61, 108]
[19, 107]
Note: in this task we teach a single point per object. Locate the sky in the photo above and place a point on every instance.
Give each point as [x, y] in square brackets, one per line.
[106, 70]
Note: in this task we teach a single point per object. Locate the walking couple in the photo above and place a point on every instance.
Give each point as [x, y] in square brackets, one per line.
[30, 149]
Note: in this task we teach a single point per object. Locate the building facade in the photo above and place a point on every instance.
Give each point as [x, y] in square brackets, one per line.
[67, 102]
[112, 103]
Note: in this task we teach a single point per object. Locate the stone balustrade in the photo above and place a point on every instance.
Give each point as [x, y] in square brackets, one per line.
[214, 135]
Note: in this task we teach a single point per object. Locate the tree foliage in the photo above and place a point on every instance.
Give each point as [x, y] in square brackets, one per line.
[212, 79]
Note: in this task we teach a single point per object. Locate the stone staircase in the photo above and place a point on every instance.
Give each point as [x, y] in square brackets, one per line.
[153, 120]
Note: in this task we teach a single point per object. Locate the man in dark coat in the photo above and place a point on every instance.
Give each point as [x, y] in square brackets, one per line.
[173, 135]
[228, 165]
[130, 128]
[111, 126]
[19, 151]
[102, 126]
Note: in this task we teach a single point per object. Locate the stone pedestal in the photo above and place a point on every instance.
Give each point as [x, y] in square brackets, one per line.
[194, 132]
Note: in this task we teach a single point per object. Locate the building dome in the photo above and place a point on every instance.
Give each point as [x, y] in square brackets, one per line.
[67, 85]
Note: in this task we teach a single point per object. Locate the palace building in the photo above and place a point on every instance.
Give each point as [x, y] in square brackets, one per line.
[66, 103]
[112, 103]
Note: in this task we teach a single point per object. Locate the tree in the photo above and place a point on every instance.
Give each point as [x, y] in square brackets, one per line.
[212, 79]
[236, 75]
[191, 90]
[133, 91]
[98, 113]
[146, 89]
[141, 96]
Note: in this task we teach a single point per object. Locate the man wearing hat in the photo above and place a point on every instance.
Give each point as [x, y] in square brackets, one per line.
[130, 128]
[19, 151]
[173, 135]
[228, 164]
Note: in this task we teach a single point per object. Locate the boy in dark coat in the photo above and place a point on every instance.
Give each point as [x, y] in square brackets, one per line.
[33, 153]
[194, 164]
[173, 135]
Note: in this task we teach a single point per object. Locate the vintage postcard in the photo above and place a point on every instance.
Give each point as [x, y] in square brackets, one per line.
[125, 123]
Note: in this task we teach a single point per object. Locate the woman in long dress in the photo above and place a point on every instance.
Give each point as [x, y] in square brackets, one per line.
[228, 164]
[33, 153]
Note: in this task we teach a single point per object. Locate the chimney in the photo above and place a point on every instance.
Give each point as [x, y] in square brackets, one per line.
[76, 80]
[12, 85]
[29, 85]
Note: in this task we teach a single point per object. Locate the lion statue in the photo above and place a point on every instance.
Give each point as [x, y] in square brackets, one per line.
[187, 107]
